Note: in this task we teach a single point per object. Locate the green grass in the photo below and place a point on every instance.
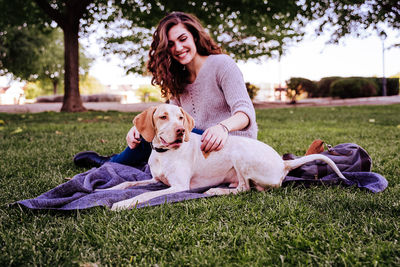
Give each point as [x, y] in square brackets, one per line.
[286, 226]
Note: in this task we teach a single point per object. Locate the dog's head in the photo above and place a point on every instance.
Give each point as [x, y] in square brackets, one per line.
[165, 125]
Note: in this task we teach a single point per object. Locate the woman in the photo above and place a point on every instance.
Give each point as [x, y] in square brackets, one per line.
[194, 74]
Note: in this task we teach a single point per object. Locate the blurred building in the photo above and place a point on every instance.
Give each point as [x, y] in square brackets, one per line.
[127, 92]
[271, 92]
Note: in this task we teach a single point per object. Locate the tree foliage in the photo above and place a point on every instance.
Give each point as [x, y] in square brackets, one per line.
[252, 90]
[298, 86]
[245, 29]
[149, 93]
[343, 17]
[22, 49]
[90, 85]
[32, 54]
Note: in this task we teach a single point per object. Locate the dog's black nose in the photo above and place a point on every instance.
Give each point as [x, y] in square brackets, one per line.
[180, 131]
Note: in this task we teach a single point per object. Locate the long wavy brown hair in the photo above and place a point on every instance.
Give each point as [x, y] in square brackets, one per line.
[168, 73]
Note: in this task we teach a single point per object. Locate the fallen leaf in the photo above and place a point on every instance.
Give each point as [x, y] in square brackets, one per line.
[79, 119]
[18, 130]
[89, 264]
[398, 126]
[371, 120]
[58, 132]
[2, 122]
[103, 141]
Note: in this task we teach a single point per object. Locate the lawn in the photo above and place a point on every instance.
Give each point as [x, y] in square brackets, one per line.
[285, 226]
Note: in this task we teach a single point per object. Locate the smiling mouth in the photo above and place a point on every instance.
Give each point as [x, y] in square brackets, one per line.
[182, 55]
[175, 143]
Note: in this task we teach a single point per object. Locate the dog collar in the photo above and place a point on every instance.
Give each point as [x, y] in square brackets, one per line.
[157, 149]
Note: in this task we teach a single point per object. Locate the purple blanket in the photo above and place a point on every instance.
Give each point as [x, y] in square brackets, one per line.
[78, 193]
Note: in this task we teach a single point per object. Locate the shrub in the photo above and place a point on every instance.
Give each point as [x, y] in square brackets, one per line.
[392, 86]
[252, 90]
[298, 86]
[149, 93]
[324, 86]
[353, 87]
[85, 98]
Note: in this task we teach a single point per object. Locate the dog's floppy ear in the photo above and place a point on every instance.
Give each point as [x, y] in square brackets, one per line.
[188, 123]
[145, 125]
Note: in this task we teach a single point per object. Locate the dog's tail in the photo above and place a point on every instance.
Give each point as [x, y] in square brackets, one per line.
[293, 164]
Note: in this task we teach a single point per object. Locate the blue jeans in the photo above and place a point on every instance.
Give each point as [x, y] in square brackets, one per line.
[140, 154]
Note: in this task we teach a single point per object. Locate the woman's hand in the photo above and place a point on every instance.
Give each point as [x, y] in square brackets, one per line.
[214, 138]
[133, 138]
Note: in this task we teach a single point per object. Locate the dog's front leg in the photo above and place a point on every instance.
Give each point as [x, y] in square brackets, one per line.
[126, 185]
[243, 185]
[130, 203]
[224, 191]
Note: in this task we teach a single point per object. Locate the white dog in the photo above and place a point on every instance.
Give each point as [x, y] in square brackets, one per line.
[177, 161]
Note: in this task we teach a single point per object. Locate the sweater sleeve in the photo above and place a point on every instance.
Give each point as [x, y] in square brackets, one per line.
[231, 82]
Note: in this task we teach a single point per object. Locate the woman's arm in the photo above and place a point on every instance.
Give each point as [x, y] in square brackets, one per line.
[214, 138]
[237, 122]
[230, 81]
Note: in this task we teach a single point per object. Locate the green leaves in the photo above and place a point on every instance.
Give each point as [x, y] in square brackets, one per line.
[343, 17]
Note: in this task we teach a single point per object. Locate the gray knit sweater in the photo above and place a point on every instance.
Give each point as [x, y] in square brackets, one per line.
[218, 93]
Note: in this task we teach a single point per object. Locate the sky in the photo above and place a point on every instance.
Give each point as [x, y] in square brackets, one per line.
[312, 59]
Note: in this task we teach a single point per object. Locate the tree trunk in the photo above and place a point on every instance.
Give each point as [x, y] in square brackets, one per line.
[72, 100]
[55, 85]
[69, 22]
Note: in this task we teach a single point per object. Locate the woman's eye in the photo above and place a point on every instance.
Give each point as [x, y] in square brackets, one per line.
[183, 39]
[163, 117]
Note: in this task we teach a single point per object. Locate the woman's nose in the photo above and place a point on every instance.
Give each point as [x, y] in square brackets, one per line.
[178, 46]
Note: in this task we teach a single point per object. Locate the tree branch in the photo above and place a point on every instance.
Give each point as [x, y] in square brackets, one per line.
[51, 12]
[81, 6]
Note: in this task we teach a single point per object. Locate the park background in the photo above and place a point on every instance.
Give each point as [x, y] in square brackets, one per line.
[317, 225]
[369, 48]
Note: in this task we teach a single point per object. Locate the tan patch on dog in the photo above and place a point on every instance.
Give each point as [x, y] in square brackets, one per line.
[163, 180]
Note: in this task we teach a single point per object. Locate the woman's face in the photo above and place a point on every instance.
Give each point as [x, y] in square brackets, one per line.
[181, 44]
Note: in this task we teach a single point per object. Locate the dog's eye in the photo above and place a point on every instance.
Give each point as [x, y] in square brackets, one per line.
[163, 117]
[181, 118]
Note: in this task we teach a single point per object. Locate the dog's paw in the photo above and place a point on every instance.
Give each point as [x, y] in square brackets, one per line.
[213, 192]
[119, 206]
[123, 205]
[121, 186]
